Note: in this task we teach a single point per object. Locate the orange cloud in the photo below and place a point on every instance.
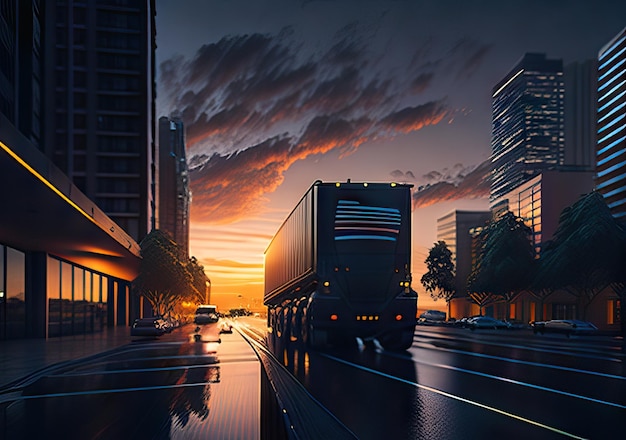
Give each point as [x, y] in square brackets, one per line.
[474, 185]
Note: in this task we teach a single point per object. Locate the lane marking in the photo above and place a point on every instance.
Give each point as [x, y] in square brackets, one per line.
[525, 384]
[581, 352]
[518, 361]
[111, 391]
[455, 397]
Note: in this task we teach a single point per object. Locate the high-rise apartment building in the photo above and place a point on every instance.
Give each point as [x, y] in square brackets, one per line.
[21, 64]
[611, 125]
[99, 83]
[173, 183]
[527, 123]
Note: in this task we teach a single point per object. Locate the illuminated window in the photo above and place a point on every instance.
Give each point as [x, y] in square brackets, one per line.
[614, 311]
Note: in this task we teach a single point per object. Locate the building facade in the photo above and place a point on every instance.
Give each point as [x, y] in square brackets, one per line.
[174, 197]
[611, 125]
[527, 123]
[66, 266]
[456, 229]
[99, 98]
[580, 114]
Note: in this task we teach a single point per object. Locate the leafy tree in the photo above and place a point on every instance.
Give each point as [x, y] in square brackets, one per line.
[439, 279]
[164, 280]
[587, 253]
[505, 260]
[199, 279]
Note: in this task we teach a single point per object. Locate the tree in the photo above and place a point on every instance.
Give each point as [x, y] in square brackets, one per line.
[164, 279]
[505, 260]
[587, 253]
[439, 279]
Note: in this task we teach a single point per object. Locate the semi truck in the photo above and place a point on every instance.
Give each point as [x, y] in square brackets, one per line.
[339, 267]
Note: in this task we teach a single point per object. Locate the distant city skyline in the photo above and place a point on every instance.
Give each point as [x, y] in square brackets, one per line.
[277, 94]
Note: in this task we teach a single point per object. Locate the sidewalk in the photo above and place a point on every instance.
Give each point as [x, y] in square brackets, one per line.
[21, 357]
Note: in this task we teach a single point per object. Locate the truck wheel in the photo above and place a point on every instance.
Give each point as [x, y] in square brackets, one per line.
[304, 328]
[398, 340]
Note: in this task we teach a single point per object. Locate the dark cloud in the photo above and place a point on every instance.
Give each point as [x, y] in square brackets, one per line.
[422, 82]
[254, 104]
[414, 118]
[473, 185]
[402, 176]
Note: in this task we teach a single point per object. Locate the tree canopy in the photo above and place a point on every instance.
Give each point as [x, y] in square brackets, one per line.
[505, 260]
[439, 279]
[164, 279]
[587, 252]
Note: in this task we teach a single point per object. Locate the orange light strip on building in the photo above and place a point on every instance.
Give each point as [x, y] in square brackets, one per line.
[46, 182]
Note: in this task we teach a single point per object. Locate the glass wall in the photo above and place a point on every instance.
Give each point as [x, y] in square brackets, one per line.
[14, 288]
[77, 299]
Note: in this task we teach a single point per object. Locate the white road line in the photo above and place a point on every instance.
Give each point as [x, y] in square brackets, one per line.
[525, 384]
[534, 364]
[106, 391]
[580, 353]
[452, 396]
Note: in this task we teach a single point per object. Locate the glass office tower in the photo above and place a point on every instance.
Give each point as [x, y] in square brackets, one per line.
[528, 134]
[174, 195]
[611, 148]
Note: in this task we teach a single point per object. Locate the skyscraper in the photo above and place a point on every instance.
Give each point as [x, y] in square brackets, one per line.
[173, 183]
[100, 92]
[611, 147]
[581, 84]
[21, 53]
[527, 123]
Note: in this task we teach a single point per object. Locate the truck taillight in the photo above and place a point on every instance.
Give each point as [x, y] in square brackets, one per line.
[398, 317]
[334, 317]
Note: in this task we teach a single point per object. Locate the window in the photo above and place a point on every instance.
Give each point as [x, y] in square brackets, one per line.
[614, 311]
[15, 294]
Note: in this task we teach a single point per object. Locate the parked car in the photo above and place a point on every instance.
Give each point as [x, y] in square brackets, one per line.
[464, 322]
[565, 326]
[225, 327]
[431, 317]
[486, 322]
[147, 327]
[165, 324]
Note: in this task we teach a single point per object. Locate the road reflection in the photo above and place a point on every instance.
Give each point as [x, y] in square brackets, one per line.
[149, 390]
[364, 387]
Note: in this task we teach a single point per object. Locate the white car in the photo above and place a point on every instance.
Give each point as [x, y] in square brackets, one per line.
[565, 326]
[486, 322]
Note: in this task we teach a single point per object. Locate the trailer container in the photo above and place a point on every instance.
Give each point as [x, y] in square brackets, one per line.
[339, 267]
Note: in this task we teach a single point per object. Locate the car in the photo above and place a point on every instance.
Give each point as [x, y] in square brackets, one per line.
[225, 327]
[147, 327]
[486, 322]
[165, 324]
[464, 322]
[205, 318]
[431, 317]
[564, 326]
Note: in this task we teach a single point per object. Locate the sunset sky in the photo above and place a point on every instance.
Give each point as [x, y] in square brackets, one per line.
[276, 94]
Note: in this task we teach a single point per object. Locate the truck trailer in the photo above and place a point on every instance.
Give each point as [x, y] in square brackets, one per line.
[339, 267]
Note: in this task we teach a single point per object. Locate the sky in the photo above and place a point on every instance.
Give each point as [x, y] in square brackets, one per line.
[276, 94]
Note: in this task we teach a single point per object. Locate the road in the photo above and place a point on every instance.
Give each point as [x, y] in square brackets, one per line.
[455, 383]
[451, 384]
